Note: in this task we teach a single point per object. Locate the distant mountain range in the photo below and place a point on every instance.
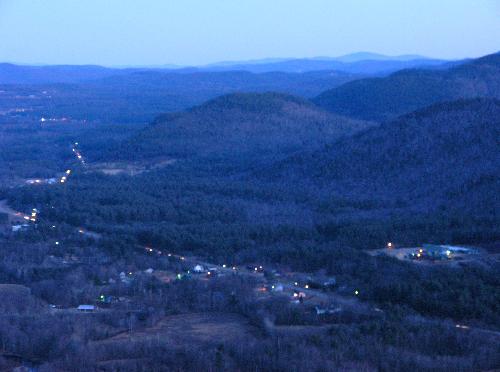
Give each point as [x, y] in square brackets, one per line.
[357, 63]
[408, 90]
[22, 74]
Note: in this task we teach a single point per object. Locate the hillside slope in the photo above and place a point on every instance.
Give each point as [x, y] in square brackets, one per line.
[409, 90]
[239, 126]
[447, 154]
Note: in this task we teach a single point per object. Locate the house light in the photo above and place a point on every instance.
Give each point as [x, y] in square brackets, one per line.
[356, 292]
[306, 286]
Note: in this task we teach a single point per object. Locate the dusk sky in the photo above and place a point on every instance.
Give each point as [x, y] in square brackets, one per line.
[193, 32]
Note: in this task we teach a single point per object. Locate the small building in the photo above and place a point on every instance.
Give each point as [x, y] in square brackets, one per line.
[124, 278]
[278, 287]
[86, 308]
[330, 283]
[21, 227]
[327, 310]
[444, 251]
[199, 269]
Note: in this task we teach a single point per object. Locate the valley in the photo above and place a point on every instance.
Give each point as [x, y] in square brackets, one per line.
[242, 229]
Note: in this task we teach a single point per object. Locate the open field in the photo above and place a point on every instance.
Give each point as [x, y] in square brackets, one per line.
[12, 215]
[128, 168]
[186, 329]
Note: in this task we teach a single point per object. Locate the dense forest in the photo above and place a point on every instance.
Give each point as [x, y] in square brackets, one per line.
[175, 236]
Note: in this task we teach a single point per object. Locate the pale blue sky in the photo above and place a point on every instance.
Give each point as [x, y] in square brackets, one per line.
[153, 32]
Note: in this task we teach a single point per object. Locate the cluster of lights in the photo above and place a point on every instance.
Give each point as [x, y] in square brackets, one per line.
[78, 154]
[306, 286]
[32, 217]
[66, 175]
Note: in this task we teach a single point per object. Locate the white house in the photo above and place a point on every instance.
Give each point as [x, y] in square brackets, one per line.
[86, 308]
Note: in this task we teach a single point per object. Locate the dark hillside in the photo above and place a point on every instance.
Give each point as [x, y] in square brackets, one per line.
[446, 141]
[409, 90]
[238, 126]
[442, 159]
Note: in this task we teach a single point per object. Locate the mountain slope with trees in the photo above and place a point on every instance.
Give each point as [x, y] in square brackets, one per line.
[241, 126]
[437, 167]
[409, 90]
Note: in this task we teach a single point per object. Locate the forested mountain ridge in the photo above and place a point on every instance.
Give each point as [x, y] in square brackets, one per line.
[441, 153]
[241, 125]
[409, 90]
